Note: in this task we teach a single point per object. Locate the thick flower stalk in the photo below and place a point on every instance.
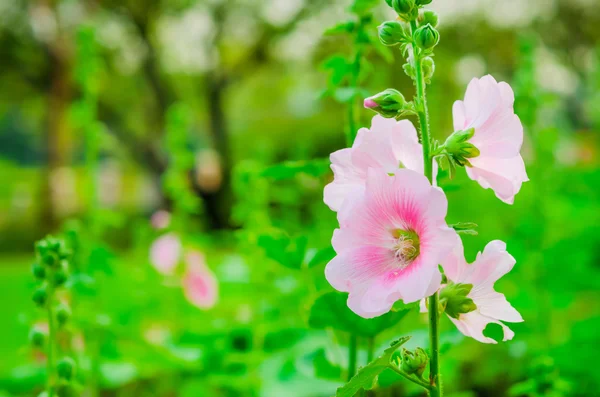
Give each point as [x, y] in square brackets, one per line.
[393, 234]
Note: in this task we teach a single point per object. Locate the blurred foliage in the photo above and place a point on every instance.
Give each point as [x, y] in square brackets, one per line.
[107, 111]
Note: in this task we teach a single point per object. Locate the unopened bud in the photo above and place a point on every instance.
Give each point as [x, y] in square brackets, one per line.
[414, 362]
[428, 67]
[63, 313]
[391, 33]
[40, 295]
[427, 37]
[36, 337]
[66, 368]
[38, 270]
[59, 277]
[456, 301]
[405, 8]
[388, 103]
[423, 2]
[428, 17]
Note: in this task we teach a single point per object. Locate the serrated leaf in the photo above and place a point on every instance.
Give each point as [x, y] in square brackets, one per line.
[366, 377]
[321, 256]
[331, 310]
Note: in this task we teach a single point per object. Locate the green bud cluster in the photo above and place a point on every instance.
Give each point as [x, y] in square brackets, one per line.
[459, 149]
[454, 299]
[414, 362]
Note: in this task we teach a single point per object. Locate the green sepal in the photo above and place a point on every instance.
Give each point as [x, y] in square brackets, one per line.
[455, 301]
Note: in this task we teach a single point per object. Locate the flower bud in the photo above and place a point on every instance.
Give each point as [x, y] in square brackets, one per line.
[457, 147]
[428, 67]
[66, 368]
[391, 33]
[427, 37]
[428, 17]
[38, 270]
[59, 277]
[423, 2]
[454, 298]
[36, 337]
[414, 362]
[388, 103]
[404, 8]
[40, 295]
[63, 313]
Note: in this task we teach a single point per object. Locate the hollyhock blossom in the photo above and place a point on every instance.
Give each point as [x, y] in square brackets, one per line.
[165, 253]
[390, 241]
[199, 283]
[160, 219]
[498, 135]
[388, 144]
[492, 306]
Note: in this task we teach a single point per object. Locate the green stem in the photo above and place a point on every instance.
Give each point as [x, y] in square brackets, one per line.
[352, 356]
[422, 111]
[353, 105]
[411, 378]
[51, 341]
[370, 348]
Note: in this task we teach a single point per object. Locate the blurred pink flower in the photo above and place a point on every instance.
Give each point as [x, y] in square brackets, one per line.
[388, 145]
[199, 283]
[390, 242]
[488, 109]
[492, 306]
[165, 253]
[160, 219]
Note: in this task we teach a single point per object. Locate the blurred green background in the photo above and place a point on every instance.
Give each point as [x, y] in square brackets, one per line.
[88, 93]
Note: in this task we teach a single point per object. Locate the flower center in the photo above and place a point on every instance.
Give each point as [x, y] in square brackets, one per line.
[406, 248]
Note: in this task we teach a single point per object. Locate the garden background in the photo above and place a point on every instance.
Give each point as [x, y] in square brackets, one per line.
[224, 113]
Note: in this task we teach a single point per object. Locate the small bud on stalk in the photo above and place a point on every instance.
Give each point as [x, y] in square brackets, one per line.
[457, 147]
[36, 337]
[428, 17]
[63, 313]
[391, 33]
[388, 103]
[414, 362]
[38, 270]
[455, 301]
[427, 37]
[40, 295]
[423, 2]
[66, 368]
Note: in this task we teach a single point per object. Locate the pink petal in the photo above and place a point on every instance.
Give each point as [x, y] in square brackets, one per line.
[165, 253]
[504, 175]
[201, 288]
[472, 324]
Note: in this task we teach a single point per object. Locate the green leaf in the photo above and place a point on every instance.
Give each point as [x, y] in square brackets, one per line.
[340, 28]
[338, 67]
[321, 256]
[324, 369]
[345, 94]
[362, 7]
[289, 169]
[281, 248]
[331, 310]
[366, 377]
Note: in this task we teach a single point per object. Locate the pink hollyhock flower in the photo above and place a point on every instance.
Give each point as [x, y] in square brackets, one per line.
[390, 242]
[165, 253]
[388, 145]
[492, 306]
[160, 219]
[199, 283]
[488, 109]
